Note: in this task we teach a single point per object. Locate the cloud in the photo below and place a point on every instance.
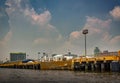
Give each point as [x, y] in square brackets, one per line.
[6, 39]
[115, 13]
[115, 40]
[13, 6]
[114, 43]
[4, 45]
[75, 34]
[4, 24]
[41, 41]
[28, 13]
[5, 32]
[49, 42]
[98, 35]
[49, 32]
[95, 26]
[36, 27]
[40, 19]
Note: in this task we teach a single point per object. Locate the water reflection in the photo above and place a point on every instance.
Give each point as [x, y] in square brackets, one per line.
[55, 76]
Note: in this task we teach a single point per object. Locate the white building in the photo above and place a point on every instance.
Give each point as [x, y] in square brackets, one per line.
[61, 57]
[58, 57]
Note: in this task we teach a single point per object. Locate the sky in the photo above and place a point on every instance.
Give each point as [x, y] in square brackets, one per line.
[55, 26]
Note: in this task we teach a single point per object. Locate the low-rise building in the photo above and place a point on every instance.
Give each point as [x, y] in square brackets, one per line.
[17, 56]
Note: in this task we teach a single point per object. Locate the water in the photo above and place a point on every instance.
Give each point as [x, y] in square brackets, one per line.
[55, 76]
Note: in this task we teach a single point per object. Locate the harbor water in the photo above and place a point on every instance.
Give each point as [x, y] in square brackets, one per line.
[55, 76]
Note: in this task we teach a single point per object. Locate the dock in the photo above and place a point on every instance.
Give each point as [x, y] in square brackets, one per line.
[101, 63]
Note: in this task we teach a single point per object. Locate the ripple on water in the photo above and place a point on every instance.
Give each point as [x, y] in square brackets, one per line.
[55, 76]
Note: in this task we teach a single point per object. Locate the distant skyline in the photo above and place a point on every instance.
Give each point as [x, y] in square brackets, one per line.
[55, 26]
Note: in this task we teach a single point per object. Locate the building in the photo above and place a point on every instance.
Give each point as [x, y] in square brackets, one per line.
[69, 56]
[64, 57]
[57, 57]
[17, 56]
[96, 51]
[106, 52]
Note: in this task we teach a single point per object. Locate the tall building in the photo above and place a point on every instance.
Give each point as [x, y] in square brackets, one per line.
[17, 56]
[96, 51]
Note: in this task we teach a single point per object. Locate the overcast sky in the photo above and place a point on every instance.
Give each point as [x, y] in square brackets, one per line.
[55, 26]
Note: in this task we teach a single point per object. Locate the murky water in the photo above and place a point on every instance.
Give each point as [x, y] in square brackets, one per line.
[55, 76]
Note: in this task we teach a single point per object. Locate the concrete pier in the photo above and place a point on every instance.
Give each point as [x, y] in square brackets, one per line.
[101, 63]
[108, 63]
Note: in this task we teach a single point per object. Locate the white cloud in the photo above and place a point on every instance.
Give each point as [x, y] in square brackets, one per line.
[98, 35]
[75, 34]
[41, 41]
[40, 19]
[40, 31]
[13, 5]
[95, 26]
[4, 46]
[106, 37]
[115, 13]
[47, 34]
[6, 39]
[115, 40]
[18, 13]
[43, 21]
[50, 41]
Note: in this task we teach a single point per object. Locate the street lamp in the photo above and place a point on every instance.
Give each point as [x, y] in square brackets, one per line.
[85, 31]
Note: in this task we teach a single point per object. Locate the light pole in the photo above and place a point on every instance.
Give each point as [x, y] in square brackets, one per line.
[38, 55]
[85, 31]
[27, 56]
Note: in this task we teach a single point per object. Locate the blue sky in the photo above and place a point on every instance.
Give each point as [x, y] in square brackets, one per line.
[55, 26]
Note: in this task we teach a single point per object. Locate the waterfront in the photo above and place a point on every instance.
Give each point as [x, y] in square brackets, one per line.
[55, 76]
